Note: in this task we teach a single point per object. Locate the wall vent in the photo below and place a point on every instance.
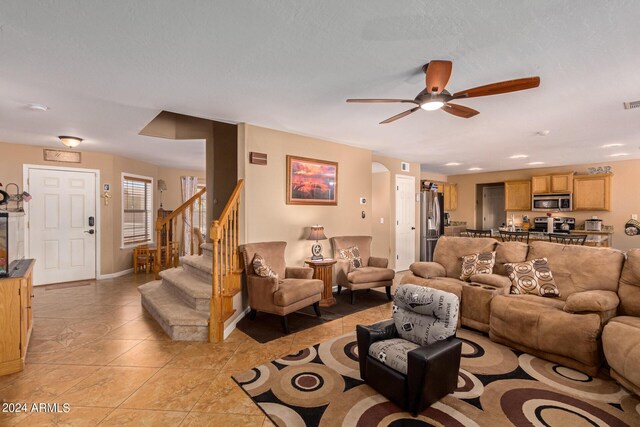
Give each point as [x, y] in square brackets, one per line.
[630, 105]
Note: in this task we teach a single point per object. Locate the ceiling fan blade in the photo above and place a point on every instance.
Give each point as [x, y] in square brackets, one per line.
[382, 100]
[459, 110]
[500, 87]
[399, 116]
[438, 73]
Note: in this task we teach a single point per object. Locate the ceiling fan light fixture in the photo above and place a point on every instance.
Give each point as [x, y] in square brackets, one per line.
[432, 105]
[70, 141]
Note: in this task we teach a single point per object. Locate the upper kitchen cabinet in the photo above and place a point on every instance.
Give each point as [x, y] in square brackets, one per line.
[556, 183]
[592, 192]
[450, 197]
[517, 195]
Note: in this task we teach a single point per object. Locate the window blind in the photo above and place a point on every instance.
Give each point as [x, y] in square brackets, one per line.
[137, 214]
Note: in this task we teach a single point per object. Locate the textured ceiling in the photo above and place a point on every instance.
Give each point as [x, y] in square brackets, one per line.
[106, 69]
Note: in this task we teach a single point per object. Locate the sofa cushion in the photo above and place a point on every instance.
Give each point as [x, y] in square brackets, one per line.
[262, 269]
[629, 291]
[532, 277]
[580, 268]
[291, 291]
[425, 315]
[591, 301]
[480, 263]
[509, 252]
[393, 353]
[351, 254]
[370, 274]
[427, 269]
[494, 280]
[450, 250]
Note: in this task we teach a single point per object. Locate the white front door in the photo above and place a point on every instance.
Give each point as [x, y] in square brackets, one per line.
[405, 221]
[61, 238]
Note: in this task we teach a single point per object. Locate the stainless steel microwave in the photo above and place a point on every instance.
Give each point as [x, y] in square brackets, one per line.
[552, 202]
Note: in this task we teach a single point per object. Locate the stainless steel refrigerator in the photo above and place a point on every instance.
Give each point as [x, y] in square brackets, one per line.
[431, 222]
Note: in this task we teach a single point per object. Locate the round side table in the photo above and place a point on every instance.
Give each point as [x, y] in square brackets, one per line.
[323, 270]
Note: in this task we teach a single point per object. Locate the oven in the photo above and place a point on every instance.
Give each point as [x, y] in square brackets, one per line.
[551, 202]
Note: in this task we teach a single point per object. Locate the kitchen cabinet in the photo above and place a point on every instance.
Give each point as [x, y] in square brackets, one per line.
[517, 195]
[16, 318]
[592, 192]
[556, 183]
[450, 197]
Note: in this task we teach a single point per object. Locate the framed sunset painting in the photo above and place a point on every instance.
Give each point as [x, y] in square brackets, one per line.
[311, 182]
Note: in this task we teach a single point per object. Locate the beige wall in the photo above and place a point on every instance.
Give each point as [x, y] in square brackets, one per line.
[380, 209]
[394, 166]
[269, 218]
[433, 176]
[113, 258]
[625, 196]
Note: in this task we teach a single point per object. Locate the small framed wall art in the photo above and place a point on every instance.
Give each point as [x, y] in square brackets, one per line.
[311, 181]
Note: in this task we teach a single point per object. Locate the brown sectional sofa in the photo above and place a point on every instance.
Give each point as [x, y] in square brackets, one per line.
[621, 336]
[566, 329]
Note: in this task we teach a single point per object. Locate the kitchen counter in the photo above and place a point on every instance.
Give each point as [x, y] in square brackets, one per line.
[594, 238]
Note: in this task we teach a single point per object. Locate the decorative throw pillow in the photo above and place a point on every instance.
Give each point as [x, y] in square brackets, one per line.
[352, 255]
[261, 267]
[532, 277]
[480, 263]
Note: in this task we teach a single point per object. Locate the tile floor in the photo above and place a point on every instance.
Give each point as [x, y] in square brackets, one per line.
[94, 347]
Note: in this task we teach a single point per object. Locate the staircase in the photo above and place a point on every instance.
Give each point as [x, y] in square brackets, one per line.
[192, 301]
[180, 300]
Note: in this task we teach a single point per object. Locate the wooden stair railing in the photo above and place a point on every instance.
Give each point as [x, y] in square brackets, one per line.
[169, 249]
[226, 265]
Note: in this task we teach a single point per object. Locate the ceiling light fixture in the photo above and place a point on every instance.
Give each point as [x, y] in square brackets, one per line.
[519, 156]
[611, 145]
[535, 163]
[452, 164]
[70, 141]
[432, 105]
[543, 132]
[618, 154]
[475, 169]
[37, 107]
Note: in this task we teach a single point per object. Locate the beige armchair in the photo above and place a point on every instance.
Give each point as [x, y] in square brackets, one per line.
[373, 273]
[295, 288]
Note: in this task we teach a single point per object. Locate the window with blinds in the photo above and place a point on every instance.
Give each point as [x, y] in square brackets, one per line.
[137, 209]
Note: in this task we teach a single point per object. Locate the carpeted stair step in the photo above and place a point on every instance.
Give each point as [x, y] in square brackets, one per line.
[207, 250]
[192, 290]
[199, 266]
[176, 318]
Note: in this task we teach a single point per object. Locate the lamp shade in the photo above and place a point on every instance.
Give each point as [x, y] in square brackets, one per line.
[317, 233]
[162, 185]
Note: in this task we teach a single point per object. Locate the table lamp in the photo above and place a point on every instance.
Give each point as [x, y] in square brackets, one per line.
[317, 233]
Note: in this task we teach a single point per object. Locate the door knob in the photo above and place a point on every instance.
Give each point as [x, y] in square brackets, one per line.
[413, 228]
[92, 231]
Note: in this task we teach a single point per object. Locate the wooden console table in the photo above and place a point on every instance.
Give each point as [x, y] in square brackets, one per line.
[16, 318]
[323, 270]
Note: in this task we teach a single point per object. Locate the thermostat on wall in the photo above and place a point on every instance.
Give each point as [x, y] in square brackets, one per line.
[404, 167]
[363, 201]
[106, 187]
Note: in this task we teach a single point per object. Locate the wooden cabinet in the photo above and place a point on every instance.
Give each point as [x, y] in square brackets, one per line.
[16, 318]
[592, 192]
[450, 197]
[556, 183]
[517, 195]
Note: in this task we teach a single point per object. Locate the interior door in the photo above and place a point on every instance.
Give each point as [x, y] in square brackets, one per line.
[62, 225]
[493, 214]
[405, 221]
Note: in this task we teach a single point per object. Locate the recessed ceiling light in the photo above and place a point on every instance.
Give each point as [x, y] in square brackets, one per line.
[611, 145]
[37, 107]
[535, 163]
[543, 132]
[519, 156]
[475, 169]
[452, 164]
[618, 154]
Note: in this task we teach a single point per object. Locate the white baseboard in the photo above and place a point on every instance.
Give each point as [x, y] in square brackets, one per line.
[114, 275]
[232, 326]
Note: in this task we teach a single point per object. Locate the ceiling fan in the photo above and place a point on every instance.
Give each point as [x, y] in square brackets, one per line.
[435, 97]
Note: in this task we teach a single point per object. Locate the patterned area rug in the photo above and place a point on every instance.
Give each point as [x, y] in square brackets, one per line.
[321, 386]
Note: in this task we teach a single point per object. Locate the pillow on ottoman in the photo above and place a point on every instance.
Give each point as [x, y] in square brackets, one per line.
[481, 263]
[532, 277]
